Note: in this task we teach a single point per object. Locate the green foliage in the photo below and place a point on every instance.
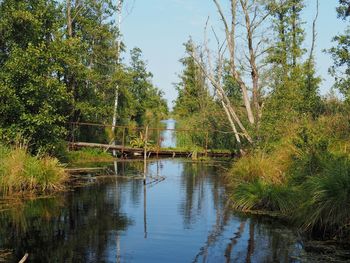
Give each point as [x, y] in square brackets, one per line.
[259, 195]
[149, 106]
[33, 100]
[343, 9]
[293, 84]
[341, 57]
[50, 75]
[340, 53]
[141, 142]
[326, 202]
[192, 92]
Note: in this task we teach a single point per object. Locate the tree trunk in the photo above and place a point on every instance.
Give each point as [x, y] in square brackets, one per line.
[252, 61]
[115, 110]
[230, 38]
[69, 18]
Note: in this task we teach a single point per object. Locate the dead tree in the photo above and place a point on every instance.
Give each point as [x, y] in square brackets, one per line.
[253, 15]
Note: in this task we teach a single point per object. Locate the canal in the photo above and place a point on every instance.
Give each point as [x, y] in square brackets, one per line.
[181, 214]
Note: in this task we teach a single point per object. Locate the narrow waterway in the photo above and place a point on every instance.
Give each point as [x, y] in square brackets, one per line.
[180, 215]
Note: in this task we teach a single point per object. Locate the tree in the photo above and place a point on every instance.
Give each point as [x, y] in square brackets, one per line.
[32, 98]
[148, 100]
[192, 90]
[294, 86]
[341, 53]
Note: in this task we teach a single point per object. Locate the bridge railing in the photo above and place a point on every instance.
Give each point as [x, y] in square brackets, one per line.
[134, 136]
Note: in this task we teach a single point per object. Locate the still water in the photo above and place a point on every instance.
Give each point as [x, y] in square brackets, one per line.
[179, 215]
[183, 218]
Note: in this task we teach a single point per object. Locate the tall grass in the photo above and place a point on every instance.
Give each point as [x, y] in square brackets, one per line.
[326, 202]
[306, 178]
[21, 172]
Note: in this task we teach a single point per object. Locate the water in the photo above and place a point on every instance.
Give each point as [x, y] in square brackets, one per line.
[169, 139]
[183, 218]
[180, 215]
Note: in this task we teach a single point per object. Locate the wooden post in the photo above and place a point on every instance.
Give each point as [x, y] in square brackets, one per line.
[158, 141]
[206, 144]
[145, 155]
[123, 142]
[73, 138]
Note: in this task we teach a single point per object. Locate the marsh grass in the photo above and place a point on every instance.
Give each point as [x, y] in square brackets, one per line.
[326, 199]
[305, 178]
[89, 155]
[21, 172]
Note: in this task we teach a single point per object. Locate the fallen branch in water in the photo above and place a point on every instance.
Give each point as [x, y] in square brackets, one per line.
[24, 258]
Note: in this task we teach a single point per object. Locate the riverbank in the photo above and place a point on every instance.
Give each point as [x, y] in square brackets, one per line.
[305, 178]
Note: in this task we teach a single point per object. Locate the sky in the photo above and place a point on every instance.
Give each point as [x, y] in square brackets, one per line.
[160, 27]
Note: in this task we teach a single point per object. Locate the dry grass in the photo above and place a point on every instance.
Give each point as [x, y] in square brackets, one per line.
[267, 167]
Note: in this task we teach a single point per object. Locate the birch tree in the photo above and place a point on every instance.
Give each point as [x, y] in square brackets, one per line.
[115, 109]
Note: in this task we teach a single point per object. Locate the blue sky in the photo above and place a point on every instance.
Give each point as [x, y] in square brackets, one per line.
[160, 27]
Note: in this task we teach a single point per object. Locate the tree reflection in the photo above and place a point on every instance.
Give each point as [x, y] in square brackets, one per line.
[201, 184]
[70, 228]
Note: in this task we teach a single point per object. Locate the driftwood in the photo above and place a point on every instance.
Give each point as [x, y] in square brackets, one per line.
[24, 258]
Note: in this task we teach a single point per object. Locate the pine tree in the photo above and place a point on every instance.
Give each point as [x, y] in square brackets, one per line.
[192, 91]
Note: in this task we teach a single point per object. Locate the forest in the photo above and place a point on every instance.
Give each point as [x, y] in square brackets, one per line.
[256, 90]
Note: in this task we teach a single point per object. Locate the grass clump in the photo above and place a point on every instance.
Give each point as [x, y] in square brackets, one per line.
[89, 155]
[21, 172]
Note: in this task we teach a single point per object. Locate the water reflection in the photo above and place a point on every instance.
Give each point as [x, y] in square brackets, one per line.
[168, 137]
[184, 218]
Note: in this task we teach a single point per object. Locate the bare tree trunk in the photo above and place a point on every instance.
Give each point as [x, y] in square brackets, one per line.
[115, 110]
[231, 114]
[230, 38]
[294, 34]
[252, 59]
[314, 34]
[69, 18]
[233, 126]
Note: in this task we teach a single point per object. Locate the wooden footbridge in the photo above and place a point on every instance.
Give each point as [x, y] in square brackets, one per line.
[122, 144]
